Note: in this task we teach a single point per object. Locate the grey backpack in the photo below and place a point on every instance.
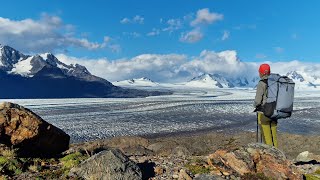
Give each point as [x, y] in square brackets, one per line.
[279, 97]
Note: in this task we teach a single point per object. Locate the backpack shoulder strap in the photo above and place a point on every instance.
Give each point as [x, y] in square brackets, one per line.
[266, 82]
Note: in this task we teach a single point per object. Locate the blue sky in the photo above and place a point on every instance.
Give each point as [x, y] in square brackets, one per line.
[256, 30]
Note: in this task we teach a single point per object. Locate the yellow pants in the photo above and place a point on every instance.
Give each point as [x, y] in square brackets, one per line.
[268, 130]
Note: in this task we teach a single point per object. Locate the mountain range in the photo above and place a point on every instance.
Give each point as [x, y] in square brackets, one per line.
[44, 76]
[212, 81]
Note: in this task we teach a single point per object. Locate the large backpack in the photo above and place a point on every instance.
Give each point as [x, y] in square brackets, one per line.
[280, 96]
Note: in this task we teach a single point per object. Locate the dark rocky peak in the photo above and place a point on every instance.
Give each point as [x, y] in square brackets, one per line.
[295, 76]
[10, 56]
[77, 70]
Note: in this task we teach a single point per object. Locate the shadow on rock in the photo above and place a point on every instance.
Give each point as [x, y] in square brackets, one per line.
[147, 169]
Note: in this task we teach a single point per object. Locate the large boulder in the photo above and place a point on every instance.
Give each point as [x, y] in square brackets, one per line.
[255, 158]
[108, 164]
[21, 128]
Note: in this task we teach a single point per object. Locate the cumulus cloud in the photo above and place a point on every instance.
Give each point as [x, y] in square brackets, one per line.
[155, 66]
[179, 67]
[166, 67]
[135, 20]
[204, 16]
[192, 36]
[225, 36]
[49, 33]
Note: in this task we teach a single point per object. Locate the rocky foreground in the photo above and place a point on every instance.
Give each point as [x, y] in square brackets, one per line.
[26, 154]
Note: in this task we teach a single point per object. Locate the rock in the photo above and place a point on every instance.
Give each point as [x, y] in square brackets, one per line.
[255, 158]
[108, 164]
[21, 128]
[127, 141]
[180, 151]
[183, 175]
[136, 150]
[306, 156]
[163, 148]
[158, 170]
[207, 177]
[175, 176]
[216, 172]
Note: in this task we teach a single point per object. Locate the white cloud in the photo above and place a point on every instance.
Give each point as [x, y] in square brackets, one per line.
[204, 16]
[125, 21]
[178, 67]
[138, 19]
[225, 36]
[191, 37]
[173, 25]
[135, 20]
[278, 49]
[132, 34]
[155, 66]
[49, 33]
[154, 32]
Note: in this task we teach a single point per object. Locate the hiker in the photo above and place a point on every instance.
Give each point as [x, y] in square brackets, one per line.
[268, 127]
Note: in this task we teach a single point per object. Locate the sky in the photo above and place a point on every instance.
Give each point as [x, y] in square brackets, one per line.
[177, 38]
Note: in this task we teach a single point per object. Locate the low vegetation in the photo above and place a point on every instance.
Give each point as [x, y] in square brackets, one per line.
[37, 168]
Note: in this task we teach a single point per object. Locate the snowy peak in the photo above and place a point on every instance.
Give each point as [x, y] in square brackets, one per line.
[9, 56]
[14, 62]
[142, 82]
[295, 76]
[303, 80]
[210, 81]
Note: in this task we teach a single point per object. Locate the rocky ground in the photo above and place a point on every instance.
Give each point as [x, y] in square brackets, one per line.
[31, 148]
[174, 157]
[182, 155]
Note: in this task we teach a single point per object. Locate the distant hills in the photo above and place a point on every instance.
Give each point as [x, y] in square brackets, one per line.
[44, 76]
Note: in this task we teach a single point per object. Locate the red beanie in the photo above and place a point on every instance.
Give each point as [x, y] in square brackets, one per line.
[264, 69]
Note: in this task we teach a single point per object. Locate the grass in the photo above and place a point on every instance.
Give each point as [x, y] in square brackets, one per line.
[198, 169]
[72, 160]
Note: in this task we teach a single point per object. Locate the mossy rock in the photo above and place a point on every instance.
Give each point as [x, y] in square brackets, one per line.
[312, 176]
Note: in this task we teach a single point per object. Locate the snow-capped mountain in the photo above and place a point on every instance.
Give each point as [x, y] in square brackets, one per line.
[143, 82]
[303, 80]
[44, 76]
[16, 63]
[210, 81]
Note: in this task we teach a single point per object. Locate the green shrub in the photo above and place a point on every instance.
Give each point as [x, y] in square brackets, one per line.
[3, 160]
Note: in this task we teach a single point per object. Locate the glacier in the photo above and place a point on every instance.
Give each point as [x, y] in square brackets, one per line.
[185, 111]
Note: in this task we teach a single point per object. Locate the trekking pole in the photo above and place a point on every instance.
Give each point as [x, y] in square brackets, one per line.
[257, 128]
[257, 135]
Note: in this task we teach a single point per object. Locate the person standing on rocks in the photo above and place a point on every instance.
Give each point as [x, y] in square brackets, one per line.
[268, 127]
